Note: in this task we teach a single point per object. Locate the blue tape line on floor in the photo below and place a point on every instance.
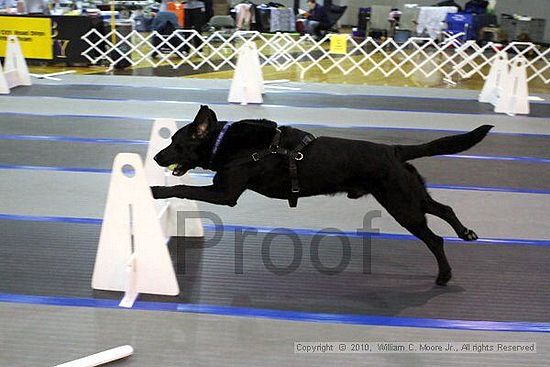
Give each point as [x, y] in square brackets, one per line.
[472, 98]
[284, 315]
[111, 117]
[265, 105]
[75, 139]
[72, 139]
[497, 158]
[55, 169]
[357, 234]
[338, 125]
[210, 175]
[297, 231]
[489, 188]
[38, 218]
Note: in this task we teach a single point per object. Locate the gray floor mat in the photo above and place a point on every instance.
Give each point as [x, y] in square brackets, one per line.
[86, 91]
[497, 282]
[173, 339]
[441, 171]
[128, 128]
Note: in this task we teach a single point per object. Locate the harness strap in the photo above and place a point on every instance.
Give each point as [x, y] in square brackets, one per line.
[276, 140]
[294, 156]
[256, 156]
[294, 184]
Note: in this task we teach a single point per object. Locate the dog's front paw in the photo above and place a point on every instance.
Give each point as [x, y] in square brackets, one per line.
[160, 192]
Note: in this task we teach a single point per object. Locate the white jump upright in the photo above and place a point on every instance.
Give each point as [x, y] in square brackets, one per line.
[161, 132]
[506, 87]
[132, 254]
[492, 88]
[515, 92]
[15, 72]
[247, 85]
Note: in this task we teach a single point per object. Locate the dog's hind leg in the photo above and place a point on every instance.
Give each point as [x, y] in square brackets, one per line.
[442, 211]
[435, 245]
[446, 213]
[410, 215]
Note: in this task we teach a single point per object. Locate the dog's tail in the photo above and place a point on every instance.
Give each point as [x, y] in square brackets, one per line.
[448, 145]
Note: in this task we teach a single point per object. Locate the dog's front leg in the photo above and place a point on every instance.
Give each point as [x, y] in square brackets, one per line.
[226, 188]
[210, 194]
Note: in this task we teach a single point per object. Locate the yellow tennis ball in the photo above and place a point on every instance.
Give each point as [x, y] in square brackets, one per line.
[172, 167]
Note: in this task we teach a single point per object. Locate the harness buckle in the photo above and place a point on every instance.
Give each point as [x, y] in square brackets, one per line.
[299, 156]
[255, 157]
[295, 190]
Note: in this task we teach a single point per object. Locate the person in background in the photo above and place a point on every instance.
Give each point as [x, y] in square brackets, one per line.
[450, 3]
[165, 23]
[316, 18]
[491, 6]
[7, 4]
[37, 7]
[163, 5]
[476, 6]
[55, 8]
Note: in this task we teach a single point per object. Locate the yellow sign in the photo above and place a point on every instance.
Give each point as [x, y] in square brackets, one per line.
[338, 44]
[34, 35]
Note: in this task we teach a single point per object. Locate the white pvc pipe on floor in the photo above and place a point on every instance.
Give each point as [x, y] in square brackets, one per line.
[101, 357]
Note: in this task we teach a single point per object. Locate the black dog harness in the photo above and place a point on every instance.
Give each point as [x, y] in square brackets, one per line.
[293, 155]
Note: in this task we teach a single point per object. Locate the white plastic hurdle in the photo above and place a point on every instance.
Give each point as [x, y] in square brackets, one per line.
[506, 87]
[161, 132]
[515, 94]
[247, 85]
[132, 254]
[15, 72]
[492, 88]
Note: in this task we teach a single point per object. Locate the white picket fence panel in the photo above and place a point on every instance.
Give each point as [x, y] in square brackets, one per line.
[455, 60]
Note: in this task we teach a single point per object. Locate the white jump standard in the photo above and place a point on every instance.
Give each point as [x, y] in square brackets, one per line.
[15, 72]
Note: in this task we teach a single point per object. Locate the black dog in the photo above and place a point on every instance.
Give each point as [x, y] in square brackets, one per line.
[287, 163]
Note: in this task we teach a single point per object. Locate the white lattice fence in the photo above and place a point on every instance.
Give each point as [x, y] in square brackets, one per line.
[453, 59]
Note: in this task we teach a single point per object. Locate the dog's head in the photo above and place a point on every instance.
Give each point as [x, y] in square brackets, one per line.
[191, 145]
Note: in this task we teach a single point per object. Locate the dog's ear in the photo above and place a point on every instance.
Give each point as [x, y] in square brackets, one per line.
[213, 117]
[202, 122]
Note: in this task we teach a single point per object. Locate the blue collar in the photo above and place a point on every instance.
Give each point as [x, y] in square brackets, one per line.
[219, 140]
